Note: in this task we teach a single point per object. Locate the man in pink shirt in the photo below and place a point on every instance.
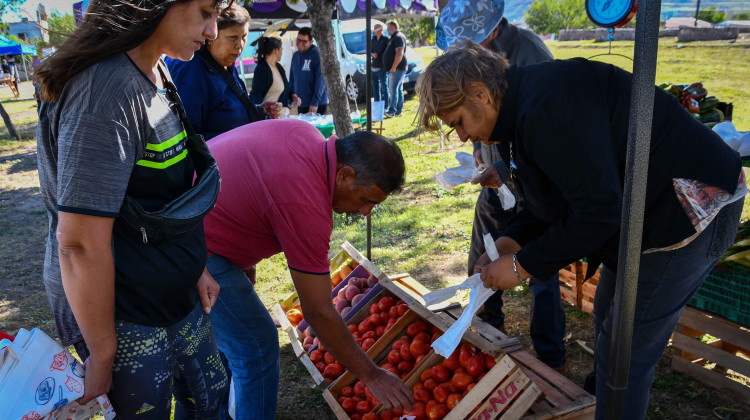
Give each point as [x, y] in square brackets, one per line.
[281, 182]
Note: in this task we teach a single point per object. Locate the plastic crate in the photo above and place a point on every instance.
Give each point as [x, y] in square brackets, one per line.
[726, 292]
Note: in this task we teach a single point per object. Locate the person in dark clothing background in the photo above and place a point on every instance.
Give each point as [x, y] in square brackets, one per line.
[269, 79]
[571, 177]
[379, 74]
[306, 78]
[521, 47]
[394, 62]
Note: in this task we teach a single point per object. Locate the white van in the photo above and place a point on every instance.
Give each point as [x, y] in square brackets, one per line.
[351, 45]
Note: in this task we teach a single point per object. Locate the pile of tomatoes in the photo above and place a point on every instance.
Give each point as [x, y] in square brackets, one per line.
[410, 349]
[442, 386]
[383, 314]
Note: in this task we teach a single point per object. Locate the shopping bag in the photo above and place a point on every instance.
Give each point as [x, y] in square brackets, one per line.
[40, 379]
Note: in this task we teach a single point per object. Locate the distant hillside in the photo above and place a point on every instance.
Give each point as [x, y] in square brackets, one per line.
[669, 8]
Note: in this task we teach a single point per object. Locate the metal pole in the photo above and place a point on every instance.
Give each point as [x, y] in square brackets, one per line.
[634, 198]
[368, 105]
[697, 9]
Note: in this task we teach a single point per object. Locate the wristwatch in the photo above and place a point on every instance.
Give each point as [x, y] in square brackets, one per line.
[515, 268]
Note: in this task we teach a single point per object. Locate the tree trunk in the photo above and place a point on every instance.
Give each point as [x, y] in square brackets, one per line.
[320, 12]
[9, 123]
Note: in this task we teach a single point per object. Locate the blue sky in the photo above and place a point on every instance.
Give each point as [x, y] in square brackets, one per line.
[28, 9]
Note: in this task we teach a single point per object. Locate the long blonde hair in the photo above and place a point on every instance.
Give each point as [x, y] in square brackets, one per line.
[447, 81]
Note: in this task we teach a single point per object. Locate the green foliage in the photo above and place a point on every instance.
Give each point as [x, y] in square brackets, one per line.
[550, 16]
[4, 28]
[418, 31]
[60, 26]
[7, 5]
[741, 16]
[712, 15]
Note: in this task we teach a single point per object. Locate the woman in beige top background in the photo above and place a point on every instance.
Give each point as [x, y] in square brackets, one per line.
[269, 80]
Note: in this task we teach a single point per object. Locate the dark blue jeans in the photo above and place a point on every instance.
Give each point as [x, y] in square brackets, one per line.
[666, 282]
[247, 336]
[380, 86]
[396, 91]
[547, 327]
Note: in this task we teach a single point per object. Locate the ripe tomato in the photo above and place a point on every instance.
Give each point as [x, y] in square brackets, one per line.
[370, 416]
[394, 357]
[430, 384]
[386, 415]
[380, 330]
[422, 336]
[369, 334]
[426, 374]
[441, 373]
[393, 312]
[479, 378]
[421, 394]
[463, 358]
[402, 309]
[355, 416]
[415, 328]
[405, 352]
[435, 336]
[384, 318]
[419, 359]
[418, 348]
[367, 343]
[316, 356]
[391, 322]
[347, 391]
[364, 326]
[489, 361]
[348, 405]
[328, 358]
[320, 366]
[429, 405]
[333, 370]
[340, 399]
[359, 389]
[405, 366]
[469, 347]
[417, 410]
[437, 412]
[386, 302]
[452, 361]
[471, 386]
[453, 400]
[476, 365]
[441, 393]
[433, 329]
[374, 319]
[352, 328]
[374, 309]
[461, 380]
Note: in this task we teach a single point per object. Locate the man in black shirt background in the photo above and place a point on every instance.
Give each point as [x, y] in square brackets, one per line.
[394, 62]
[379, 74]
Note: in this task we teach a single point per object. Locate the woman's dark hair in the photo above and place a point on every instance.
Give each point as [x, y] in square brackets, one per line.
[267, 45]
[374, 158]
[233, 15]
[110, 27]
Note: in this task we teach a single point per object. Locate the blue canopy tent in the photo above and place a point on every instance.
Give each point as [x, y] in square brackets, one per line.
[10, 47]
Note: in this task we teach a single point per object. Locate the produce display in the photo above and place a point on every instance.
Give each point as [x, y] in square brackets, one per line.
[350, 295]
[695, 99]
[383, 315]
[739, 252]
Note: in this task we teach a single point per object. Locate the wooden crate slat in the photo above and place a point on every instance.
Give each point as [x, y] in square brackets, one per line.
[587, 306]
[503, 367]
[296, 346]
[569, 296]
[712, 379]
[310, 366]
[714, 326]
[529, 395]
[554, 397]
[502, 397]
[589, 288]
[560, 382]
[707, 351]
[281, 316]
[335, 407]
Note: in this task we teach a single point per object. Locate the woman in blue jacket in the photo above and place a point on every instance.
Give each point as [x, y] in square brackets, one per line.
[214, 94]
[269, 80]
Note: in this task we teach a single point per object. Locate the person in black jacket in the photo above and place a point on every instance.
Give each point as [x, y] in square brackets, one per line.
[570, 172]
[269, 80]
[379, 75]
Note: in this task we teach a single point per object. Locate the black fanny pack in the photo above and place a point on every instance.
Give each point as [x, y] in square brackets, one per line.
[181, 216]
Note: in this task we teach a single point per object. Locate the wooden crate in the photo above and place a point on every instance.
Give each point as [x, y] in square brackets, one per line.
[730, 351]
[563, 399]
[573, 288]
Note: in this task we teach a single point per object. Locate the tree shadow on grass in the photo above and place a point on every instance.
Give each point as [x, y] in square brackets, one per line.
[26, 161]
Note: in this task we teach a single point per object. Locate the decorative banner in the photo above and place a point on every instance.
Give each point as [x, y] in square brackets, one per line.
[380, 4]
[267, 6]
[393, 3]
[297, 5]
[404, 3]
[348, 5]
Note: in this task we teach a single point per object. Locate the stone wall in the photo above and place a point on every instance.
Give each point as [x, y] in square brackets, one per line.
[687, 34]
[683, 34]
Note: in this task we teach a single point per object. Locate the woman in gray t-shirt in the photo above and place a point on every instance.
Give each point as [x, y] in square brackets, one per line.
[136, 310]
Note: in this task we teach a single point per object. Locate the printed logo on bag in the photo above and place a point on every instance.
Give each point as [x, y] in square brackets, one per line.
[31, 415]
[76, 368]
[59, 362]
[45, 391]
[73, 385]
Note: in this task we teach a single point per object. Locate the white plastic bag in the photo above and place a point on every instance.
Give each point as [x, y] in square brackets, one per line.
[466, 172]
[478, 294]
[737, 140]
[40, 379]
